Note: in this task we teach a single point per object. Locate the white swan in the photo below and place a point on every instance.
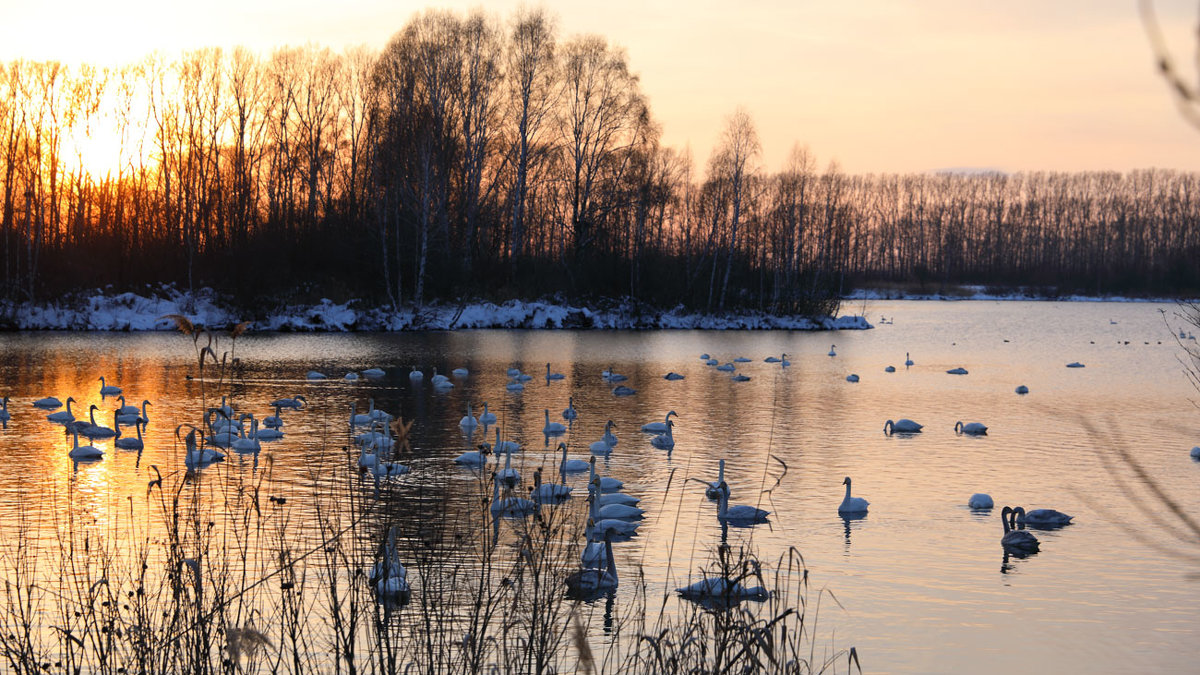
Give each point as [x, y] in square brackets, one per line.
[108, 389]
[890, 369]
[664, 441]
[1196, 452]
[604, 446]
[611, 376]
[607, 483]
[1047, 518]
[901, 426]
[740, 378]
[415, 374]
[772, 359]
[49, 403]
[128, 442]
[296, 402]
[358, 419]
[705, 356]
[460, 372]
[957, 371]
[718, 487]
[374, 373]
[590, 581]
[553, 428]
[742, 514]
[726, 368]
[852, 504]
[571, 465]
[970, 428]
[388, 575]
[505, 447]
[378, 414]
[673, 376]
[742, 359]
[389, 469]
[659, 427]
[1022, 389]
[1073, 364]
[62, 416]
[468, 421]
[94, 430]
[711, 362]
[852, 377]
[832, 350]
[548, 492]
[474, 458]
[124, 416]
[274, 421]
[980, 500]
[247, 443]
[510, 506]
[266, 434]
[570, 413]
[351, 377]
[508, 475]
[196, 457]
[487, 417]
[907, 360]
[514, 386]
[513, 372]
[84, 452]
[1014, 539]
[553, 376]
[314, 375]
[721, 591]
[622, 390]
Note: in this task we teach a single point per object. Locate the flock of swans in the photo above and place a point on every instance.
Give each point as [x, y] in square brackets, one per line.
[613, 516]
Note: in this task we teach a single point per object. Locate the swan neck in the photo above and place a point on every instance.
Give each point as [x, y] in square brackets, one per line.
[847, 490]
[612, 563]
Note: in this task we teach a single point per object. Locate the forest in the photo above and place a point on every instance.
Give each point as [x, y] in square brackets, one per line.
[478, 156]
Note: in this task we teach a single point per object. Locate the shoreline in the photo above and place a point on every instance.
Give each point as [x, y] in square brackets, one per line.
[986, 293]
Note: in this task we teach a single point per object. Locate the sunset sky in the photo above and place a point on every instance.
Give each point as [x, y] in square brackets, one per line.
[878, 85]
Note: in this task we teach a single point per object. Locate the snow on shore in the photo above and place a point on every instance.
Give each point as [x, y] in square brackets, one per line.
[98, 311]
[981, 293]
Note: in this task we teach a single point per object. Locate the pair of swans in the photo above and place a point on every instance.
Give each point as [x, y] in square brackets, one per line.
[509, 506]
[590, 581]
[196, 455]
[131, 414]
[1014, 539]
[664, 441]
[604, 446]
[389, 576]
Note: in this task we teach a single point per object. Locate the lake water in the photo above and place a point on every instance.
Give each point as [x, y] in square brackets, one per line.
[922, 580]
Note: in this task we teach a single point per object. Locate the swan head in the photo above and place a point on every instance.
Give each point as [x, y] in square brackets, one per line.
[847, 481]
[672, 413]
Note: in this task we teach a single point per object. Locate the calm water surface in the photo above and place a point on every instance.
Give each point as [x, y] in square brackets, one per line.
[923, 582]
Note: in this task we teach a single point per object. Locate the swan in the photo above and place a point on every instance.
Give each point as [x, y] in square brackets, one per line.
[513, 372]
[957, 371]
[618, 511]
[705, 356]
[505, 447]
[602, 527]
[84, 452]
[785, 363]
[94, 430]
[49, 403]
[719, 590]
[890, 369]
[415, 374]
[659, 427]
[1075, 364]
[664, 441]
[388, 575]
[1022, 389]
[970, 428]
[487, 417]
[980, 500]
[852, 378]
[901, 426]
[610, 376]
[590, 581]
[1196, 452]
[508, 475]
[460, 372]
[509, 506]
[366, 460]
[726, 368]
[852, 504]
[607, 483]
[124, 408]
[351, 377]
[197, 457]
[358, 419]
[570, 413]
[622, 390]
[740, 378]
[718, 487]
[672, 376]
[742, 514]
[548, 492]
[374, 373]
[468, 421]
[617, 498]
[514, 386]
[266, 434]
[1047, 518]
[711, 362]
[274, 421]
[63, 416]
[226, 410]
[553, 376]
[379, 436]
[571, 465]
[605, 445]
[772, 359]
[609, 437]
[4, 414]
[127, 442]
[297, 402]
[108, 389]
[552, 428]
[832, 350]
[247, 443]
[314, 375]
[741, 359]
[389, 469]
[1014, 539]
[378, 414]
[907, 360]
[474, 458]
[135, 417]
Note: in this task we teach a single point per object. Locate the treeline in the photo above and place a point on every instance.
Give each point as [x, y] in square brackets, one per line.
[479, 157]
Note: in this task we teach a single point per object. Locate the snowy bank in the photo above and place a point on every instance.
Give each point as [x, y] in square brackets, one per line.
[132, 312]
